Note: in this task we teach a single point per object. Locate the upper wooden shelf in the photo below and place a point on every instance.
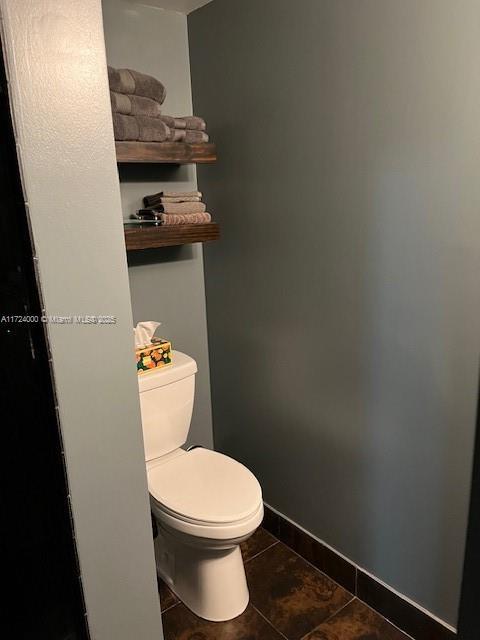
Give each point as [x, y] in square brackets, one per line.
[165, 152]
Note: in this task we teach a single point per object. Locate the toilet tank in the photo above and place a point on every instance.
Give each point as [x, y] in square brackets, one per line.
[166, 403]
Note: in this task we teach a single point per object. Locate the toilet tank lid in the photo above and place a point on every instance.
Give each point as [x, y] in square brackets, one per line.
[182, 366]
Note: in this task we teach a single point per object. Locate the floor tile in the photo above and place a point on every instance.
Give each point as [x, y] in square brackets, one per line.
[167, 597]
[179, 623]
[257, 543]
[356, 621]
[294, 596]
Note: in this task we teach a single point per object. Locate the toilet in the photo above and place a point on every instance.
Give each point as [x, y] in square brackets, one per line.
[205, 503]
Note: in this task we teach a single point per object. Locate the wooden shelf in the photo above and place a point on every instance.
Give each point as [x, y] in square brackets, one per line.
[165, 152]
[153, 237]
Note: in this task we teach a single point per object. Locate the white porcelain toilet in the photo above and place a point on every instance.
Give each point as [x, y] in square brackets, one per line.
[204, 502]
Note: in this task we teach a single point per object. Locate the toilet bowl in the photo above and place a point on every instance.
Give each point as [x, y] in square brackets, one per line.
[205, 503]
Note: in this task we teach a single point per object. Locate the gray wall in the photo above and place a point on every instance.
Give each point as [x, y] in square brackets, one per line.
[343, 299]
[166, 285]
[55, 59]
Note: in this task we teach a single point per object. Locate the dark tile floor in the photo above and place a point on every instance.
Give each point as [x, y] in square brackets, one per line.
[289, 600]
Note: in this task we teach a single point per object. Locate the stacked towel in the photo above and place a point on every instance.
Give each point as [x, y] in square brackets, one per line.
[173, 207]
[136, 100]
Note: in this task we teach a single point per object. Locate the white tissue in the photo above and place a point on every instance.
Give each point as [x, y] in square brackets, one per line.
[143, 333]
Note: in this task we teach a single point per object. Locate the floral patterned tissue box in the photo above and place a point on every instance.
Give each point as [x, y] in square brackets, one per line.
[158, 354]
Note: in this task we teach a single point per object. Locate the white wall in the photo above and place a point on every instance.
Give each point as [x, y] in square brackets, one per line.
[166, 285]
[56, 65]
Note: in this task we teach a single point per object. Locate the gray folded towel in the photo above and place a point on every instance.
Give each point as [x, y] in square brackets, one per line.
[136, 83]
[125, 127]
[174, 123]
[193, 137]
[180, 207]
[193, 122]
[130, 105]
[185, 218]
[141, 128]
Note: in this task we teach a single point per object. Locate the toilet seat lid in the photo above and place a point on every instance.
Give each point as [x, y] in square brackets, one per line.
[205, 486]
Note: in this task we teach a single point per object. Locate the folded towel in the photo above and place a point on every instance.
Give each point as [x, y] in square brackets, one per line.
[156, 202]
[193, 137]
[134, 82]
[193, 122]
[125, 127]
[134, 105]
[179, 194]
[180, 207]
[164, 199]
[186, 218]
[140, 128]
[156, 198]
[174, 123]
[152, 129]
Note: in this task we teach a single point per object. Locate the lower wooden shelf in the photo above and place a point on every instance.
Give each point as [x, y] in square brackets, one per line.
[153, 237]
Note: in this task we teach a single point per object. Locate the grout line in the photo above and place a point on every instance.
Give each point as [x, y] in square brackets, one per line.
[268, 621]
[162, 611]
[262, 551]
[328, 618]
[386, 619]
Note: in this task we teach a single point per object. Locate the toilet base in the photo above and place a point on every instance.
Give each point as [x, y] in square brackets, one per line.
[207, 575]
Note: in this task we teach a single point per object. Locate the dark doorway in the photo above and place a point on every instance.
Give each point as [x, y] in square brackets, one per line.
[40, 575]
[469, 618]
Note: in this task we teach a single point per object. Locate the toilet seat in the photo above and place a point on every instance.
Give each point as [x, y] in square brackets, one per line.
[205, 493]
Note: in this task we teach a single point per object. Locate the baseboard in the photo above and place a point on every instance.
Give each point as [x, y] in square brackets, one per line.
[402, 612]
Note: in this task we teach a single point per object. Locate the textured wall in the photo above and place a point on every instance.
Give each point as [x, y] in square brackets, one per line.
[56, 62]
[166, 285]
[343, 298]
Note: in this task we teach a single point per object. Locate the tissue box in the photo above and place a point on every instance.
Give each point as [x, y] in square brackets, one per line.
[158, 354]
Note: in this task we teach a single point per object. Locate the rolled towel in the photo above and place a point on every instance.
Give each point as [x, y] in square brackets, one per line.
[193, 137]
[136, 83]
[193, 122]
[134, 105]
[177, 135]
[156, 198]
[174, 123]
[140, 128]
[185, 218]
